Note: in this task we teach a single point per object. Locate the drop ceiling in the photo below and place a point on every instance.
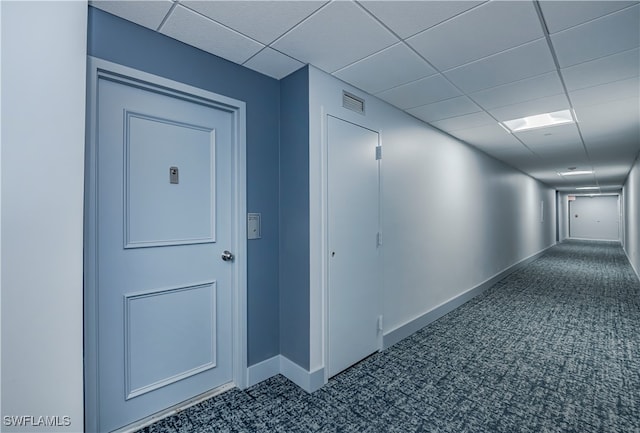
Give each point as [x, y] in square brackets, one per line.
[460, 66]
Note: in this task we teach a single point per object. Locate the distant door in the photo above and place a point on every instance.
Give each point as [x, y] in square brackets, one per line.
[353, 207]
[164, 220]
[596, 218]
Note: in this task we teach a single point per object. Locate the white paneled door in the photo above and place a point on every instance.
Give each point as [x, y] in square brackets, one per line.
[164, 244]
[596, 217]
[353, 224]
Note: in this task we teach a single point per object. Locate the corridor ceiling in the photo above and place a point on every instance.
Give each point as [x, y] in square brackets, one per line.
[460, 66]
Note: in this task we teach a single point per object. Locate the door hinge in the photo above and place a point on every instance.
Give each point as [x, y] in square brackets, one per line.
[379, 239]
[378, 153]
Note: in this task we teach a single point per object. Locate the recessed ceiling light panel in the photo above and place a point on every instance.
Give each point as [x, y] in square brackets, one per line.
[587, 187]
[539, 121]
[575, 173]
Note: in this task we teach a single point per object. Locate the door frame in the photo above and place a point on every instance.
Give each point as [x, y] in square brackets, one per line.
[618, 214]
[101, 69]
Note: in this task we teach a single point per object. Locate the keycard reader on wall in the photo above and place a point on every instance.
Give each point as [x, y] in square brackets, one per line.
[254, 231]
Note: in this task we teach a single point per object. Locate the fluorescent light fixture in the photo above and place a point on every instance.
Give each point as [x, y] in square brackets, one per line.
[575, 173]
[588, 187]
[539, 121]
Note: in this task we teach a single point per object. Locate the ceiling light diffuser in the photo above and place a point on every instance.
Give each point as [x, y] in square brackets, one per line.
[575, 173]
[539, 121]
[587, 187]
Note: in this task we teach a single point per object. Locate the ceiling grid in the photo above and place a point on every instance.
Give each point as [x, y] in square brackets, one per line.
[461, 66]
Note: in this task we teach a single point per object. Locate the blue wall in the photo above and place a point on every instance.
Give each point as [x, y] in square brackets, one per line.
[294, 217]
[128, 44]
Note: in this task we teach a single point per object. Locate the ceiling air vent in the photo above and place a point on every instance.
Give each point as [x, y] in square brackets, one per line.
[352, 102]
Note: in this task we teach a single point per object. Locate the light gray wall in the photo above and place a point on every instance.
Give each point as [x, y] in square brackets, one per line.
[631, 206]
[563, 216]
[452, 217]
[43, 120]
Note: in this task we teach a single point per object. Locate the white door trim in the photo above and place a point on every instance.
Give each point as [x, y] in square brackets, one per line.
[97, 69]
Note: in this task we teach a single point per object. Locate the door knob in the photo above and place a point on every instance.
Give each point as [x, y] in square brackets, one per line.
[227, 256]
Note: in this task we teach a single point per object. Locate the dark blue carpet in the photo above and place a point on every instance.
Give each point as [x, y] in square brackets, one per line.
[554, 347]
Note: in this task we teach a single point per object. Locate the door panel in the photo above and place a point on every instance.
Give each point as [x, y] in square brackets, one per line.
[188, 341]
[164, 293]
[353, 207]
[159, 212]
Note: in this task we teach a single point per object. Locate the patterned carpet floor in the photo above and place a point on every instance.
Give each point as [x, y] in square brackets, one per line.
[553, 347]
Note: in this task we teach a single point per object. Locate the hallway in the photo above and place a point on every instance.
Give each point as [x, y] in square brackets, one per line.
[554, 347]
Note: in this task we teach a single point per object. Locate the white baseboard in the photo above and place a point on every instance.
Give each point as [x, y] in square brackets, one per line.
[403, 331]
[635, 270]
[593, 239]
[263, 370]
[310, 381]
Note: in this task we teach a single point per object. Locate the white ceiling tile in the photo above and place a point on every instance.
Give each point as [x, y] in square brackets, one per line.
[508, 66]
[421, 92]
[463, 122]
[380, 71]
[337, 35]
[611, 124]
[562, 157]
[560, 15]
[560, 136]
[147, 13]
[521, 158]
[488, 29]
[263, 21]
[444, 109]
[488, 137]
[512, 157]
[607, 155]
[624, 154]
[274, 64]
[572, 155]
[602, 151]
[539, 168]
[617, 111]
[519, 91]
[574, 165]
[598, 38]
[613, 180]
[548, 104]
[603, 70]
[192, 28]
[613, 171]
[407, 18]
[622, 89]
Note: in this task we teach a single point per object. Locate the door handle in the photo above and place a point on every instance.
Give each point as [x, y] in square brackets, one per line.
[227, 256]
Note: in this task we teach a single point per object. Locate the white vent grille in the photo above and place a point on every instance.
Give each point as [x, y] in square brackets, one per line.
[352, 102]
